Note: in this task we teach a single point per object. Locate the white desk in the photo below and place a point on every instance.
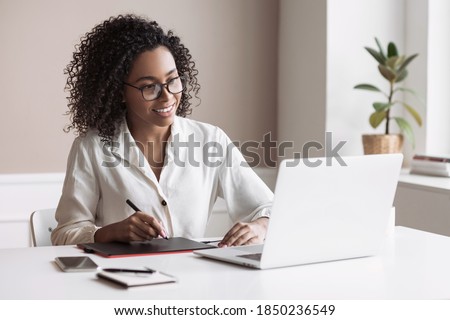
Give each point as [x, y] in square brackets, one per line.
[414, 265]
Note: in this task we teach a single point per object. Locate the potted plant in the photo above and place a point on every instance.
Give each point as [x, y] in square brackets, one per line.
[392, 67]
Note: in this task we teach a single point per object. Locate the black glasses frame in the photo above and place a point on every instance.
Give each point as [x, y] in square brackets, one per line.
[161, 86]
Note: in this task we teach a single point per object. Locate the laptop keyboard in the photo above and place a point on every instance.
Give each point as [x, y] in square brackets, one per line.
[252, 256]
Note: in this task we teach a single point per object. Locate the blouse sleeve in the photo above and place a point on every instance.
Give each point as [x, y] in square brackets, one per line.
[247, 197]
[75, 212]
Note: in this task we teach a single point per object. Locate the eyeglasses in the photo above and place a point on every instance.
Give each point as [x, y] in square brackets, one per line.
[153, 91]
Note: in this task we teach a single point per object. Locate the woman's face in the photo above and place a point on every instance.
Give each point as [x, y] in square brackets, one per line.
[152, 67]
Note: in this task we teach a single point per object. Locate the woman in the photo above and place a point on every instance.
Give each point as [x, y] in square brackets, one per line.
[130, 87]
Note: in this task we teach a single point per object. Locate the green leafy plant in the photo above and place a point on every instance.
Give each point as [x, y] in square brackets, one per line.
[392, 67]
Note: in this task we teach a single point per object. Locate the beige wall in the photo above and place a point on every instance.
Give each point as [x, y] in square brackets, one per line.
[302, 73]
[234, 43]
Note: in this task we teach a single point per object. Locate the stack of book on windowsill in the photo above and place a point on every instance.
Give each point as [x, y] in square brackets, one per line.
[432, 165]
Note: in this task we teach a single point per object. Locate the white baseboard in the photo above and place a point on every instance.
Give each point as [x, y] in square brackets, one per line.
[21, 194]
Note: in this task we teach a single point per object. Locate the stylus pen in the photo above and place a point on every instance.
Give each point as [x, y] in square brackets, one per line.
[128, 270]
[132, 205]
[210, 241]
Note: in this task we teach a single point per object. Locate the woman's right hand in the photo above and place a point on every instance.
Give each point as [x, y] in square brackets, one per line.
[137, 227]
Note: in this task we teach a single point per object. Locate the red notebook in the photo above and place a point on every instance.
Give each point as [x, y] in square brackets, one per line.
[136, 248]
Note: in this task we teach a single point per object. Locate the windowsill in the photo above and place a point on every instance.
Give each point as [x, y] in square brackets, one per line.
[423, 182]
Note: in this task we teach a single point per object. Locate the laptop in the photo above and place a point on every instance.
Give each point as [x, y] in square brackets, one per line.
[323, 210]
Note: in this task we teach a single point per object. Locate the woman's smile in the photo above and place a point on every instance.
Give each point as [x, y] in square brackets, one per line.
[165, 111]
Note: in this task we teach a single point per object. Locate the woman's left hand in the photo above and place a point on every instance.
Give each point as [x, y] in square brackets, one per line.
[244, 233]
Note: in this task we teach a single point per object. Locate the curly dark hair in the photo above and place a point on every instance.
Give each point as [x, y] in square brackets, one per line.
[102, 61]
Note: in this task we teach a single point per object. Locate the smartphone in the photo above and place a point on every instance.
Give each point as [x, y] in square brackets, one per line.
[73, 264]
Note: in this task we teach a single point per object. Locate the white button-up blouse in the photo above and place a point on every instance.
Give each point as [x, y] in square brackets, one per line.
[201, 163]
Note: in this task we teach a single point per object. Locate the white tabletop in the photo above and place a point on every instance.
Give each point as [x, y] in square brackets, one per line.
[414, 265]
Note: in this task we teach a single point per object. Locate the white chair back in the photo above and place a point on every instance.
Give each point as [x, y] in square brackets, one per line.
[42, 224]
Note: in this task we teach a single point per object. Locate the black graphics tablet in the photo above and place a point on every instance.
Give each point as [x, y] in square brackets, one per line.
[154, 246]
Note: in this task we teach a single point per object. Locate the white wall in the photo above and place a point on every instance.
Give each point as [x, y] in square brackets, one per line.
[427, 26]
[416, 41]
[321, 59]
[438, 66]
[20, 195]
[352, 25]
[416, 26]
